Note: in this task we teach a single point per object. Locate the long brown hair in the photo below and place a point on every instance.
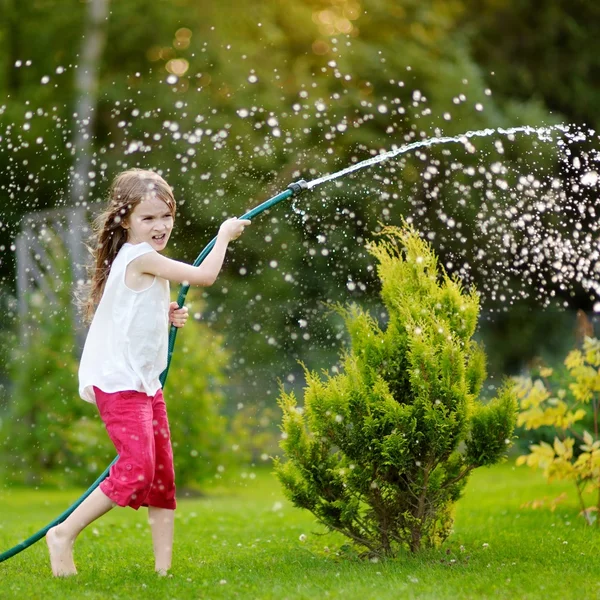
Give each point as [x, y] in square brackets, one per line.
[128, 189]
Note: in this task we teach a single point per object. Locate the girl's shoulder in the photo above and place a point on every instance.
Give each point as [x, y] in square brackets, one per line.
[131, 251]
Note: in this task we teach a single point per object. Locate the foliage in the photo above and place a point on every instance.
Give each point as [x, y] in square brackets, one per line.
[381, 451]
[550, 64]
[574, 454]
[41, 405]
[194, 397]
[291, 88]
[253, 437]
[319, 71]
[49, 435]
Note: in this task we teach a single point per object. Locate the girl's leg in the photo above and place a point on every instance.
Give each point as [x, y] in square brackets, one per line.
[162, 524]
[61, 538]
[127, 417]
[128, 420]
[161, 498]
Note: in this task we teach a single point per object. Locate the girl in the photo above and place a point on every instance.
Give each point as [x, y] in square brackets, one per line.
[126, 351]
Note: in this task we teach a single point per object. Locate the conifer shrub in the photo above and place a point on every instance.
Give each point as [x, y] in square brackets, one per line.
[382, 450]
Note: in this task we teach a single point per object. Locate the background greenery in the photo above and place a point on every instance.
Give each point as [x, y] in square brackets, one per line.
[274, 90]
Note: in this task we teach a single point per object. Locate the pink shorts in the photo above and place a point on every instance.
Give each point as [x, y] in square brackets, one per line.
[138, 427]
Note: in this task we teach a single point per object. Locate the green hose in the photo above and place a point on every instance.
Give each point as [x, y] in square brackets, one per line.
[293, 190]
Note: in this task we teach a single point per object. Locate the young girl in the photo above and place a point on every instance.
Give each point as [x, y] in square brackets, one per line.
[126, 351]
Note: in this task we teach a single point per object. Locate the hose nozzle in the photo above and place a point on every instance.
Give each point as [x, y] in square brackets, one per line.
[298, 187]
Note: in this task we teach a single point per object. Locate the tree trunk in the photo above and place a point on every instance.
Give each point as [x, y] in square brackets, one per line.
[417, 530]
[415, 541]
[12, 16]
[86, 89]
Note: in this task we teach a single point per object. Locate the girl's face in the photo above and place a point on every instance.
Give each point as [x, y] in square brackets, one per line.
[150, 221]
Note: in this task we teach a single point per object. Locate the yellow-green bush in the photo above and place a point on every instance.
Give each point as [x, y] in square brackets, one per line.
[575, 453]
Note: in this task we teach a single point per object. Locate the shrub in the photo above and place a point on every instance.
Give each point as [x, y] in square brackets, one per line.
[43, 401]
[51, 436]
[570, 410]
[39, 439]
[381, 451]
[194, 399]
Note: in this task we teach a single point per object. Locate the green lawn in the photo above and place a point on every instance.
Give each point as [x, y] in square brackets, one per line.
[243, 541]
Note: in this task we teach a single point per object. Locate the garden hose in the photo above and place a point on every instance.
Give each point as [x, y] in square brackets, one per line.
[294, 189]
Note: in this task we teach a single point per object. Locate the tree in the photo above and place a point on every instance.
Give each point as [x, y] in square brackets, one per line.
[86, 87]
[375, 452]
[231, 105]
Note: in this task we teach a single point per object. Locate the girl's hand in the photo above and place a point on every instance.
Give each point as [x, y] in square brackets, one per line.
[177, 316]
[233, 228]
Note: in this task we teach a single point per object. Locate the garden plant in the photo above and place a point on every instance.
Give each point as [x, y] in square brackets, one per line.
[570, 408]
[382, 450]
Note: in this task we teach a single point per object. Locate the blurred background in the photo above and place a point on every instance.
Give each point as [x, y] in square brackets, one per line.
[231, 101]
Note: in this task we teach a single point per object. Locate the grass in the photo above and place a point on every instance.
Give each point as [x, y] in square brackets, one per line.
[243, 541]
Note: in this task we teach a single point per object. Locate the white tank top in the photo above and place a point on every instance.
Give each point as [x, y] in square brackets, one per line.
[127, 343]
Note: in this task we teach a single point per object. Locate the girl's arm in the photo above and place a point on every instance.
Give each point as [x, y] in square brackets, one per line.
[158, 265]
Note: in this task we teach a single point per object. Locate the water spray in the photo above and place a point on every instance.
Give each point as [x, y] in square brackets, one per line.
[294, 189]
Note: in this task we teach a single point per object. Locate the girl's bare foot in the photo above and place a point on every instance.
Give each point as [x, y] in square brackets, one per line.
[61, 553]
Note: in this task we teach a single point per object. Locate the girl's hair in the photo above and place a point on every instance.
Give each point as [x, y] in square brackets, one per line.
[128, 189]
